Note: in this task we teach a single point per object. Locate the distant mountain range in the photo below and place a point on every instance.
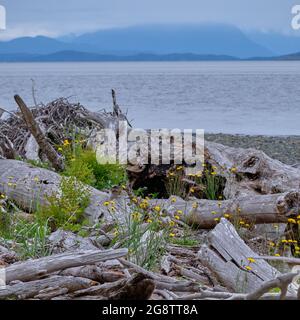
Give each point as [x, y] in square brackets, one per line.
[155, 43]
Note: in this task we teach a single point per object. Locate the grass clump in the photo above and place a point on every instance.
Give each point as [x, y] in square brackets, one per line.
[66, 209]
[81, 162]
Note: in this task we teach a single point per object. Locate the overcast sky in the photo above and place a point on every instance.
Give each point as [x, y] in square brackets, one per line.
[58, 17]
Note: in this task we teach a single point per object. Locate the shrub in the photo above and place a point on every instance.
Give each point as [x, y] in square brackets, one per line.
[66, 208]
[81, 162]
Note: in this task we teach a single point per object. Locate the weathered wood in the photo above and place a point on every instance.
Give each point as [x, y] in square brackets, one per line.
[35, 269]
[26, 290]
[138, 287]
[254, 172]
[93, 272]
[29, 187]
[254, 209]
[40, 138]
[228, 257]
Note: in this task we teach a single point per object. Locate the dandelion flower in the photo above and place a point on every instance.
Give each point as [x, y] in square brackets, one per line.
[248, 268]
[179, 211]
[173, 200]
[177, 217]
[233, 170]
[277, 255]
[251, 260]
[157, 208]
[292, 221]
[172, 235]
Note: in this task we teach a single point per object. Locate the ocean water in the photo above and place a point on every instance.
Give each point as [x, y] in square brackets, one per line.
[227, 97]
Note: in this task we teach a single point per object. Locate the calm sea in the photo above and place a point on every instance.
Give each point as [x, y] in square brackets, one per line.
[228, 97]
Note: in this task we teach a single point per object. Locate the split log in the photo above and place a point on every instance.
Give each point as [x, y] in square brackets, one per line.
[255, 209]
[227, 256]
[36, 131]
[35, 269]
[27, 290]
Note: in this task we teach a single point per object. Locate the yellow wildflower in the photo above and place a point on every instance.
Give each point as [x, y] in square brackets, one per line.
[192, 190]
[284, 241]
[214, 212]
[171, 223]
[134, 200]
[217, 219]
[233, 169]
[157, 208]
[149, 221]
[271, 244]
[248, 268]
[242, 223]
[106, 203]
[177, 217]
[251, 260]
[226, 215]
[66, 143]
[179, 211]
[179, 168]
[213, 173]
[277, 255]
[195, 205]
[172, 235]
[173, 200]
[292, 221]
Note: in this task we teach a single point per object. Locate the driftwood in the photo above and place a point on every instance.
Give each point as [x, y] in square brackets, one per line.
[40, 138]
[36, 289]
[230, 259]
[271, 208]
[254, 172]
[139, 287]
[29, 187]
[30, 270]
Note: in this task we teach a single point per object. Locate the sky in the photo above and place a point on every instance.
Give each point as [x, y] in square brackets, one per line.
[60, 17]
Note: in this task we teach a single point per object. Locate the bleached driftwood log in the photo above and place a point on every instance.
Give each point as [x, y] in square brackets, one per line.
[228, 256]
[35, 269]
[270, 208]
[57, 284]
[254, 172]
[29, 186]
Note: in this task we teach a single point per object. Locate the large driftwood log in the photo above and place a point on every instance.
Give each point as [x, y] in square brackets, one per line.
[35, 269]
[228, 257]
[256, 209]
[57, 284]
[254, 172]
[29, 187]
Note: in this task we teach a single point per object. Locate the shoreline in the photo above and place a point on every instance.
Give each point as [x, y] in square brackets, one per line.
[283, 148]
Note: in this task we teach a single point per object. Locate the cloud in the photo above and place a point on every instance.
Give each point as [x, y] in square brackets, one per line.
[56, 17]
